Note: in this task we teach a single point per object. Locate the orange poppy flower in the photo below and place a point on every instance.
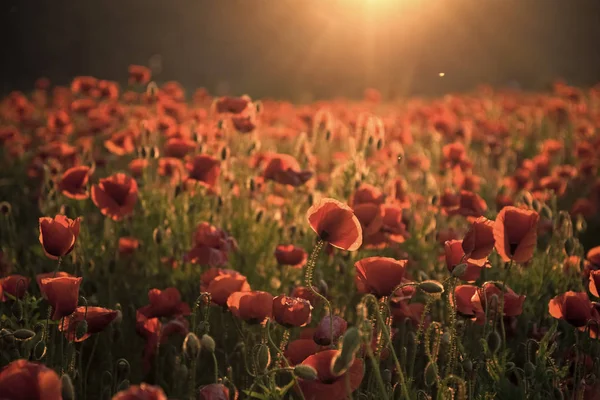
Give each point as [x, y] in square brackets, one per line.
[84, 85]
[165, 303]
[233, 105]
[336, 224]
[179, 147]
[14, 285]
[463, 295]
[137, 167]
[115, 196]
[128, 245]
[284, 169]
[221, 283]
[328, 386]
[58, 235]
[172, 168]
[21, 380]
[214, 391]
[97, 319]
[574, 307]
[469, 205]
[298, 350]
[370, 216]
[479, 241]
[394, 225]
[291, 255]
[367, 194]
[139, 75]
[291, 311]
[513, 303]
[120, 143]
[204, 169]
[515, 233]
[401, 310]
[141, 392]
[57, 274]
[303, 292]
[73, 183]
[62, 294]
[455, 255]
[379, 275]
[211, 246]
[244, 124]
[253, 307]
[322, 335]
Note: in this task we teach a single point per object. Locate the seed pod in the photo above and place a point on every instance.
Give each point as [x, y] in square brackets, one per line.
[459, 270]
[23, 334]
[81, 329]
[68, 391]
[570, 245]
[305, 372]
[431, 374]
[5, 208]
[208, 343]
[263, 357]
[431, 287]
[494, 341]
[191, 346]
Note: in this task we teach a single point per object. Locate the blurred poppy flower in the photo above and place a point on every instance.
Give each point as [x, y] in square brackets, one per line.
[322, 335]
[24, 380]
[214, 391]
[179, 147]
[204, 169]
[379, 275]
[455, 255]
[165, 303]
[284, 169]
[137, 167]
[298, 350]
[73, 183]
[115, 196]
[469, 205]
[305, 293]
[128, 245]
[401, 310]
[515, 233]
[84, 84]
[97, 319]
[291, 311]
[291, 255]
[14, 285]
[370, 216]
[141, 392]
[233, 105]
[221, 283]
[574, 307]
[58, 235]
[336, 224]
[328, 386]
[253, 307]
[211, 246]
[367, 194]
[479, 241]
[172, 168]
[243, 124]
[120, 143]
[62, 294]
[139, 75]
[513, 303]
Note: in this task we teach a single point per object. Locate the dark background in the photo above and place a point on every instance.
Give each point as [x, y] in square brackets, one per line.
[299, 48]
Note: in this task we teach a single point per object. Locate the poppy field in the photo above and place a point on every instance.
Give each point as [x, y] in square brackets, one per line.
[157, 243]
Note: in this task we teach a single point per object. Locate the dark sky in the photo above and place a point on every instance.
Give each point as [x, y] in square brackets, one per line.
[288, 48]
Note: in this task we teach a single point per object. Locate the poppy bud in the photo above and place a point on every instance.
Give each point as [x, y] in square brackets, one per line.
[322, 287]
[81, 330]
[259, 216]
[305, 372]
[157, 236]
[350, 343]
[191, 346]
[386, 374]
[546, 212]
[68, 391]
[328, 135]
[431, 374]
[311, 199]
[144, 152]
[570, 246]
[494, 341]
[370, 140]
[220, 124]
[123, 368]
[5, 208]
[580, 224]
[263, 357]
[435, 200]
[152, 90]
[379, 144]
[459, 270]
[467, 366]
[208, 343]
[431, 287]
[251, 185]
[124, 385]
[322, 335]
[341, 363]
[23, 335]
[17, 310]
[7, 336]
[39, 351]
[529, 369]
[154, 152]
[224, 153]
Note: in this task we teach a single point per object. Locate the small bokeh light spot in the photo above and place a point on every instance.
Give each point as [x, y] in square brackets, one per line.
[442, 74]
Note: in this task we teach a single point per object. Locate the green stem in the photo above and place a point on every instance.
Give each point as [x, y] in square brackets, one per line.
[280, 354]
[312, 262]
[378, 377]
[216, 367]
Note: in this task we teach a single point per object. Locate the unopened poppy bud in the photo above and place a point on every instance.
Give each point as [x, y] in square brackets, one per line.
[124, 385]
[152, 90]
[431, 374]
[350, 342]
[570, 246]
[494, 341]
[123, 368]
[154, 152]
[311, 199]
[322, 335]
[341, 363]
[370, 140]
[467, 366]
[529, 369]
[328, 135]
[39, 350]
[208, 343]
[323, 288]
[251, 185]
[182, 372]
[224, 153]
[23, 335]
[7, 336]
[546, 212]
[580, 224]
[386, 375]
[220, 124]
[379, 144]
[5, 208]
[259, 216]
[558, 394]
[435, 200]
[191, 346]
[263, 357]
[144, 152]
[431, 287]
[68, 391]
[17, 310]
[81, 329]
[536, 205]
[459, 270]
[305, 372]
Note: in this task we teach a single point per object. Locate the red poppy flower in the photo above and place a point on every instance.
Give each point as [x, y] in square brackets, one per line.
[14, 285]
[24, 380]
[291, 311]
[73, 183]
[394, 225]
[243, 124]
[298, 350]
[592, 259]
[367, 194]
[137, 167]
[233, 105]
[120, 143]
[221, 283]
[463, 295]
[172, 168]
[370, 216]
[327, 386]
[379, 275]
[322, 335]
[62, 294]
[303, 292]
[214, 391]
[515, 233]
[479, 241]
[141, 392]
[179, 147]
[284, 169]
[335, 223]
[455, 256]
[165, 303]
[574, 307]
[513, 303]
[58, 235]
[57, 274]
[401, 310]
[253, 307]
[469, 205]
[97, 319]
[291, 255]
[128, 245]
[115, 196]
[204, 169]
[139, 75]
[211, 246]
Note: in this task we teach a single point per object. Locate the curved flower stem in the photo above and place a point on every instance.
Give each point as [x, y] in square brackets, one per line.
[310, 267]
[378, 377]
[280, 354]
[216, 367]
